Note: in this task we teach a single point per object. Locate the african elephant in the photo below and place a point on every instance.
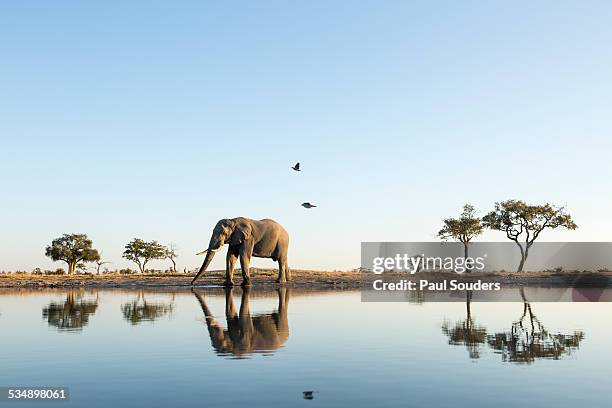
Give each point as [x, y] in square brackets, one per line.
[245, 237]
[247, 334]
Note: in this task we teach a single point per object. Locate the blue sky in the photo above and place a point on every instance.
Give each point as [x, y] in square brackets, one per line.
[156, 119]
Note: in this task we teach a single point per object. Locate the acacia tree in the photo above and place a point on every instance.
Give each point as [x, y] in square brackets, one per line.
[171, 254]
[462, 229]
[141, 252]
[74, 249]
[523, 223]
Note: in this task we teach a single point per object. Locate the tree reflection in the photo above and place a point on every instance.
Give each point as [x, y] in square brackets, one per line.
[140, 310]
[71, 315]
[246, 334]
[466, 332]
[526, 341]
[529, 340]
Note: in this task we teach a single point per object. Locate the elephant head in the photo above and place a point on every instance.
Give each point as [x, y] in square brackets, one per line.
[227, 231]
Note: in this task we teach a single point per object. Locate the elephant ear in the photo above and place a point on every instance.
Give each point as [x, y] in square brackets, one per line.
[241, 233]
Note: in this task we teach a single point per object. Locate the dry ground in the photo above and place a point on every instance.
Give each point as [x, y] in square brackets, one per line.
[266, 277]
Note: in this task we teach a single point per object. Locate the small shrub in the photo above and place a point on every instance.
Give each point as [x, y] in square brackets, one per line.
[58, 271]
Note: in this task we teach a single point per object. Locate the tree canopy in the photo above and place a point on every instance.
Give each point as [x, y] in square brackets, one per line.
[74, 249]
[141, 252]
[464, 228]
[523, 223]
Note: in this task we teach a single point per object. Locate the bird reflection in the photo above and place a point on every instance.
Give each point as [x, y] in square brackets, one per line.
[526, 341]
[140, 310]
[71, 315]
[246, 333]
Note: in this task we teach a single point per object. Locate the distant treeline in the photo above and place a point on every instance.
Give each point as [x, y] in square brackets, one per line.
[77, 250]
[520, 222]
[105, 271]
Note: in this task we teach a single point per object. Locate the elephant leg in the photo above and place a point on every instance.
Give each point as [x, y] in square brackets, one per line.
[283, 299]
[230, 308]
[245, 261]
[282, 270]
[282, 323]
[230, 263]
[245, 310]
[247, 328]
[287, 271]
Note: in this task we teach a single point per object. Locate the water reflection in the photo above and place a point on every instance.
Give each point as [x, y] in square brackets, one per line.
[71, 315]
[247, 334]
[526, 341]
[466, 332]
[140, 310]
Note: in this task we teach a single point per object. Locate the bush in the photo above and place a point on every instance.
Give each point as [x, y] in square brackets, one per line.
[58, 271]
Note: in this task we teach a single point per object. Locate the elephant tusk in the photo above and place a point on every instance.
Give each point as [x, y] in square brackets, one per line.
[206, 250]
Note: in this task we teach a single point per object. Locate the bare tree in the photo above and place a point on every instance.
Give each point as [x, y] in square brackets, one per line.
[171, 254]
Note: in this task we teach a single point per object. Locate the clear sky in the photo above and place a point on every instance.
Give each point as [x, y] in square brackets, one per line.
[156, 119]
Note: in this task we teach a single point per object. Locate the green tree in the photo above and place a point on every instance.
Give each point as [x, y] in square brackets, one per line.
[523, 223]
[462, 229]
[141, 252]
[74, 249]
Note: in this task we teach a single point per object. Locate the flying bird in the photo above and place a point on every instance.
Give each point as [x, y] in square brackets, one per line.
[296, 167]
[308, 205]
[308, 394]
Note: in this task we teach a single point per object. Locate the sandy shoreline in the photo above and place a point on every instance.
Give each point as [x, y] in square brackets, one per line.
[264, 278]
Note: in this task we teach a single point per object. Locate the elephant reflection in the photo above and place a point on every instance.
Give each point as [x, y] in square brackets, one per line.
[139, 310]
[526, 341]
[246, 334]
[72, 314]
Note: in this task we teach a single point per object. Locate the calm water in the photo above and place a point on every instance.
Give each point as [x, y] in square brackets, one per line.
[211, 348]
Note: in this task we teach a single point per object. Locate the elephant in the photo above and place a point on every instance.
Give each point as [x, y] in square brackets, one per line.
[245, 237]
[246, 334]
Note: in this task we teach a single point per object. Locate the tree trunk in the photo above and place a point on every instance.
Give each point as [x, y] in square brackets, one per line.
[468, 303]
[523, 257]
[71, 267]
[465, 255]
[521, 264]
[173, 265]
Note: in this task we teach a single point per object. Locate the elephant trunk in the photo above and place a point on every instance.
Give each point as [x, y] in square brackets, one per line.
[209, 256]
